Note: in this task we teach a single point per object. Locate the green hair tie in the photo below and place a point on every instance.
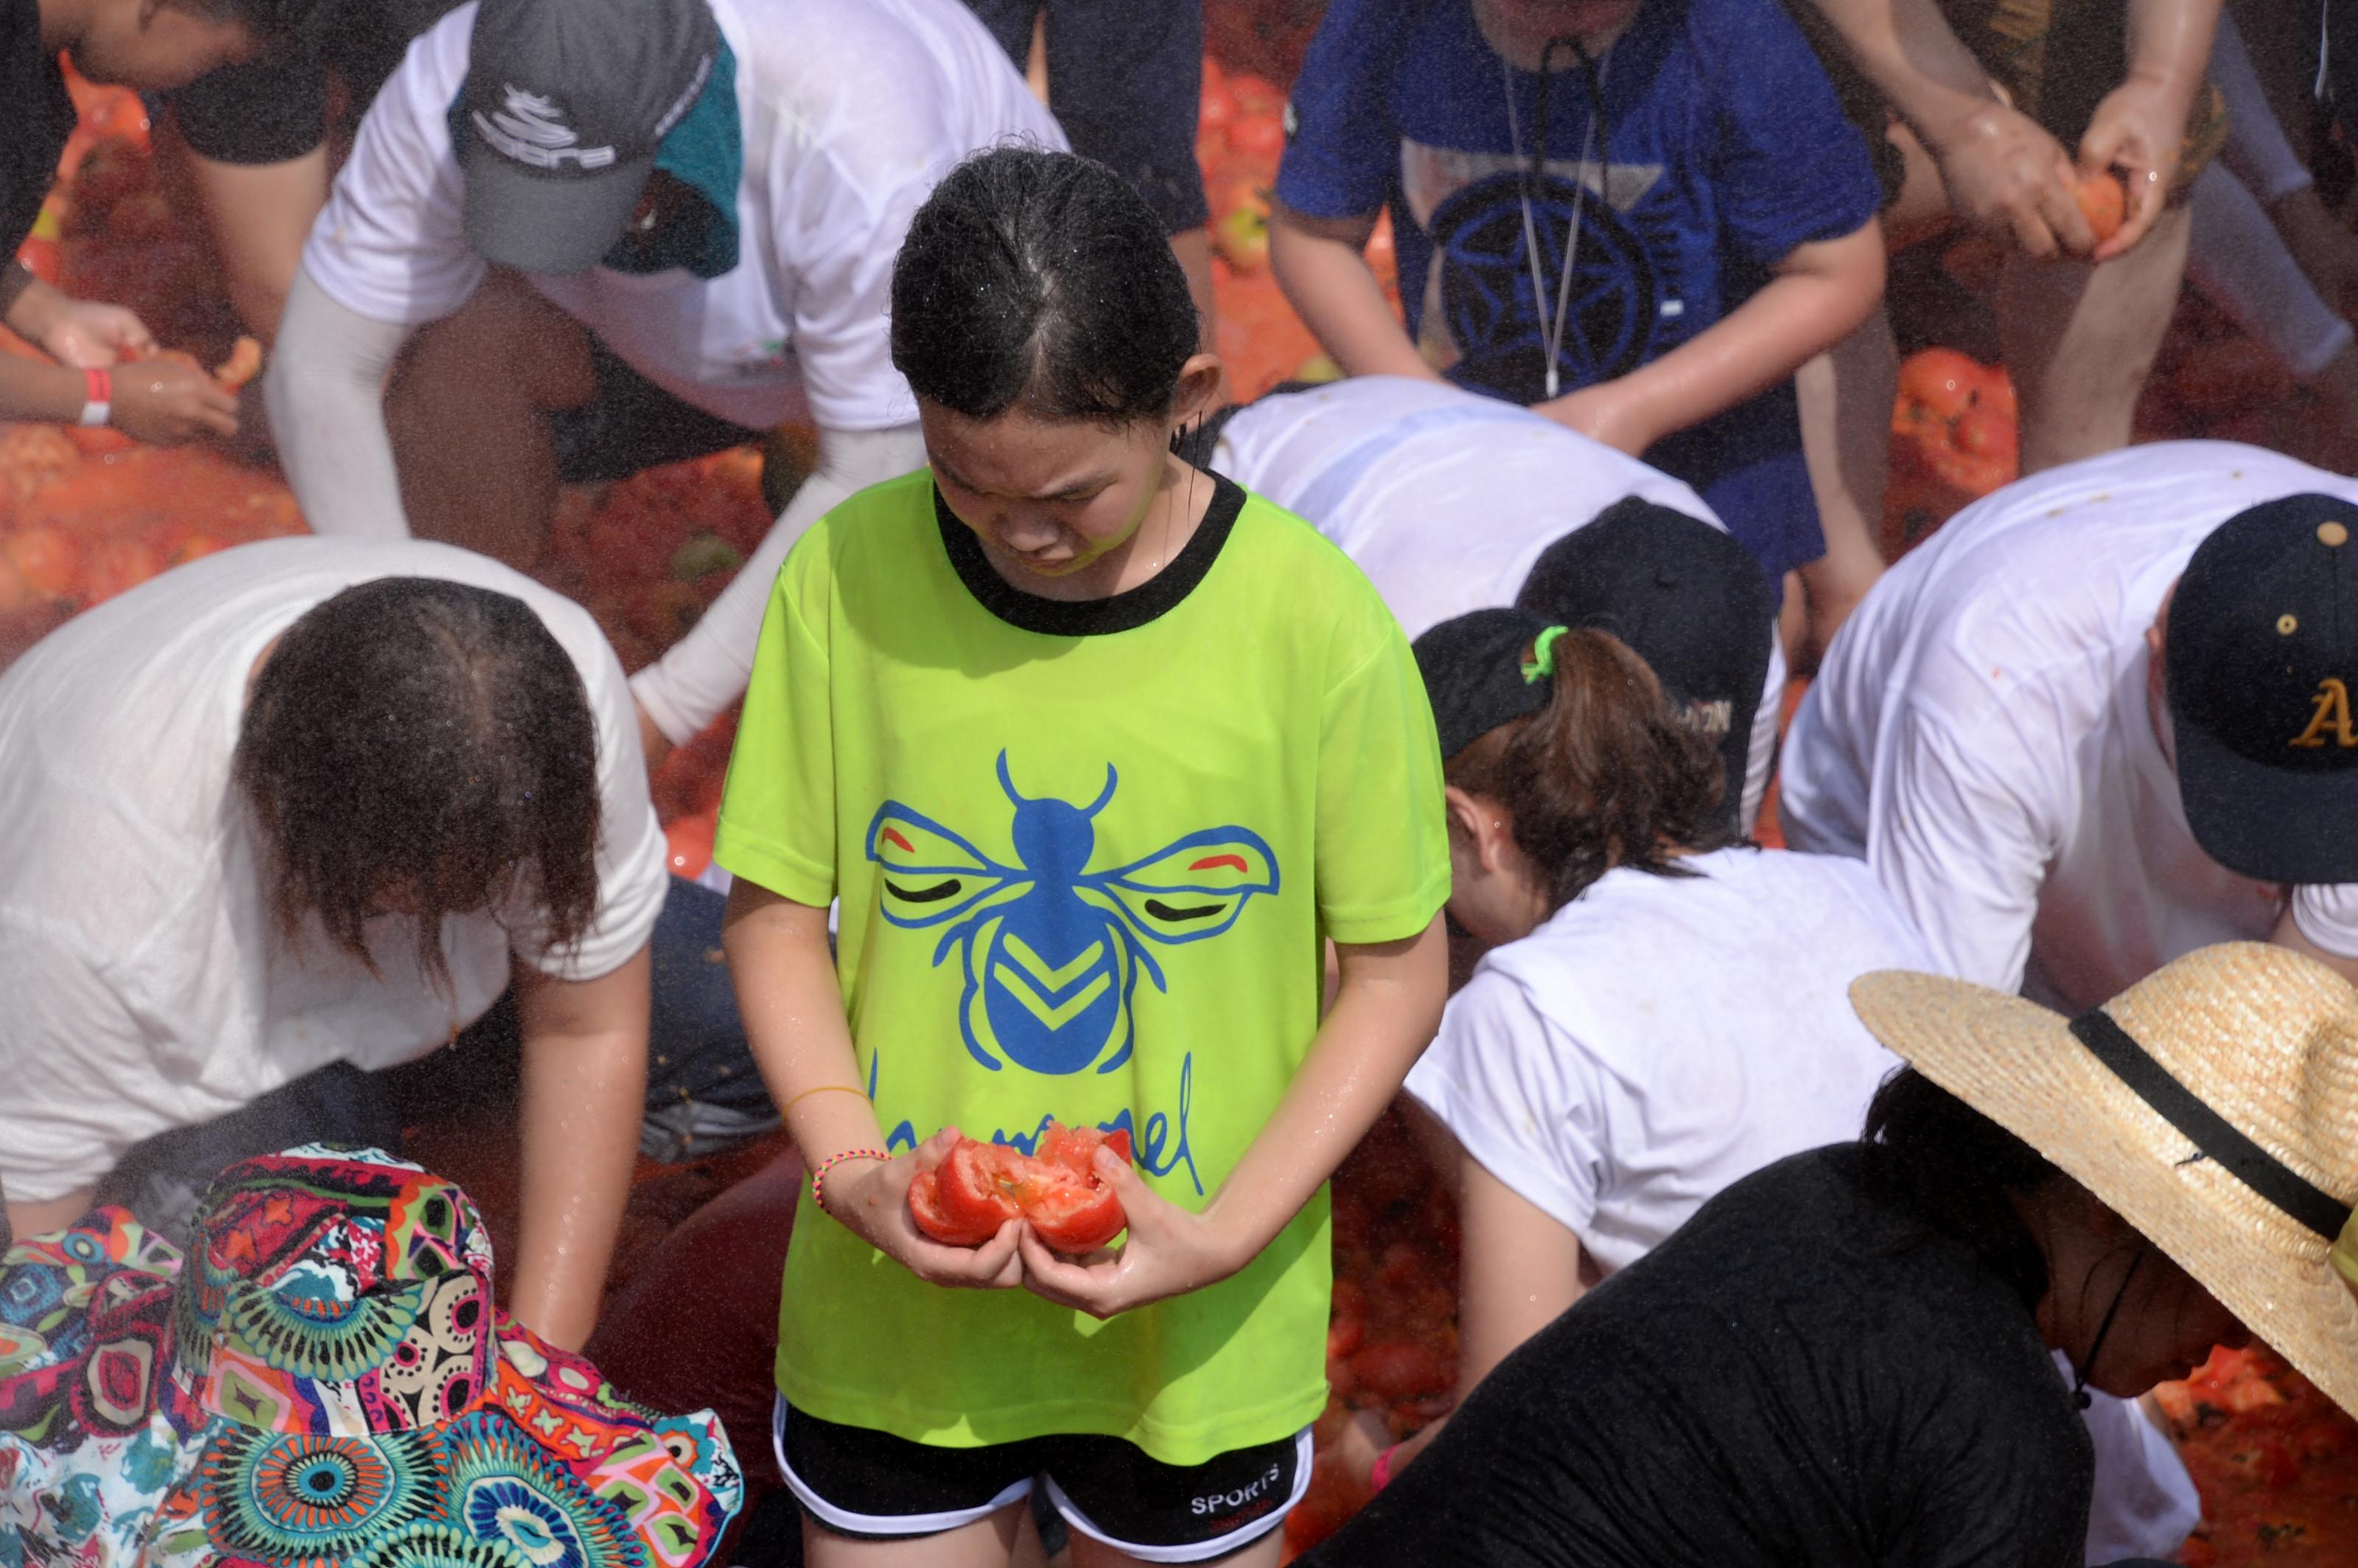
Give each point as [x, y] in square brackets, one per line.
[1543, 659]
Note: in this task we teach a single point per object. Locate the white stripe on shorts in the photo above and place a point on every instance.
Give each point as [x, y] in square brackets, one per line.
[875, 1524]
[1243, 1535]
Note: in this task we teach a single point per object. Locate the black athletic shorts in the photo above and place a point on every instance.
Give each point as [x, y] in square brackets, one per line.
[873, 1484]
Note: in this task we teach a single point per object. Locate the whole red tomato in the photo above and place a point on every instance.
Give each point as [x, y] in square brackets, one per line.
[1939, 383]
[2104, 203]
[1257, 139]
[689, 841]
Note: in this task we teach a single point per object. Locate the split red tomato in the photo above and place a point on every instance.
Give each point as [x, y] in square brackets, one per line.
[962, 1201]
[1071, 1207]
[980, 1187]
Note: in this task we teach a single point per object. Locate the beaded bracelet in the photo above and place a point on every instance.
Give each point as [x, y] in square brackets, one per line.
[832, 1161]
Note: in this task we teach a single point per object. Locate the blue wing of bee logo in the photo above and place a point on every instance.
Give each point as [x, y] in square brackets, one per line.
[1050, 951]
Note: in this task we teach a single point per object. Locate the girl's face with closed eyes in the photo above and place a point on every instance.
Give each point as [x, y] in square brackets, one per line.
[1062, 507]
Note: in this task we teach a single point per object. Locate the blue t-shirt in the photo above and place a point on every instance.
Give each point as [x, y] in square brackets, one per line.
[1722, 149]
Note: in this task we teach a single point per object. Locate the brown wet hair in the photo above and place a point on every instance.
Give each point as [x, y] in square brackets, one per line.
[427, 747]
[1606, 774]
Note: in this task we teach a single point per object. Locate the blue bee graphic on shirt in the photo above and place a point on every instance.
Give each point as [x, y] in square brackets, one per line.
[1052, 950]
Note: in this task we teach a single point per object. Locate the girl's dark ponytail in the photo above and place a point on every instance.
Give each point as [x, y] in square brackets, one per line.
[1605, 775]
[1042, 278]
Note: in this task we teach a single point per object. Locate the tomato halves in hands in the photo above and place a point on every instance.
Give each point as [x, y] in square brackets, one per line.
[965, 1200]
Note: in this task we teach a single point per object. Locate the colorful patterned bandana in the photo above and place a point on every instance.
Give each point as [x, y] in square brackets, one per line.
[331, 1383]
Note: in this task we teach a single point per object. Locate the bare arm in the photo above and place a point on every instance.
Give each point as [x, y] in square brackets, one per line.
[585, 1077]
[1519, 1271]
[1821, 293]
[1321, 268]
[156, 400]
[2002, 170]
[793, 1007]
[1384, 1015]
[259, 215]
[2141, 124]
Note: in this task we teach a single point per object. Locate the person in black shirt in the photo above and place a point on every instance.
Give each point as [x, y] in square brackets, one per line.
[152, 45]
[1842, 1360]
[258, 134]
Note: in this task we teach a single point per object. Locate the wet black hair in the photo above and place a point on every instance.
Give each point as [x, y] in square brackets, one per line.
[1933, 1156]
[429, 737]
[1041, 277]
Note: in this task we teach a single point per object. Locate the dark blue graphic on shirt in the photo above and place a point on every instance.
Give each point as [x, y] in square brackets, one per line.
[1051, 950]
[1623, 270]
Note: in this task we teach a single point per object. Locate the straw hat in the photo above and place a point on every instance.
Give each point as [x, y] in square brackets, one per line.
[2236, 1152]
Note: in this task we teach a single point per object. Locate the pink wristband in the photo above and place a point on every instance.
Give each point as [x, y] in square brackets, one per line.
[1380, 1475]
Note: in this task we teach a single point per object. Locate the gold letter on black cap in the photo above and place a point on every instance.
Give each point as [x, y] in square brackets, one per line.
[2331, 708]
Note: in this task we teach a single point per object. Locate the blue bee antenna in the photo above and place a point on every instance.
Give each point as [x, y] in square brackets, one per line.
[1104, 794]
[1006, 782]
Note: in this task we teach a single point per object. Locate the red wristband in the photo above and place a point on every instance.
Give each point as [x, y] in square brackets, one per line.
[97, 398]
[1380, 1475]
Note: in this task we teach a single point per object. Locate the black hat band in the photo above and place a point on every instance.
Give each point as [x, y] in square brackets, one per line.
[2215, 1135]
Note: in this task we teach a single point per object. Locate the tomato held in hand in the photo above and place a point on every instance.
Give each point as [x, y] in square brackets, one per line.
[2103, 202]
[965, 1200]
[1072, 1208]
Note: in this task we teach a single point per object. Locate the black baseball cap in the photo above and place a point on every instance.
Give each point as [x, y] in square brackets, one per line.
[1692, 602]
[564, 104]
[2259, 648]
[1482, 670]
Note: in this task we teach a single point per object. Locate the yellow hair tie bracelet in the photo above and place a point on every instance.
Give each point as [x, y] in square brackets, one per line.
[822, 1089]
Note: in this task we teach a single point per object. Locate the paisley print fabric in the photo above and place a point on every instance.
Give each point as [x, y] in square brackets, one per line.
[324, 1380]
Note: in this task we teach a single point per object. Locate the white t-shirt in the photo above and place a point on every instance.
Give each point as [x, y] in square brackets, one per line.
[147, 985]
[1661, 1037]
[1446, 499]
[1980, 732]
[850, 111]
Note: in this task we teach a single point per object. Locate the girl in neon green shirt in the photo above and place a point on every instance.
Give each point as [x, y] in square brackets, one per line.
[1096, 751]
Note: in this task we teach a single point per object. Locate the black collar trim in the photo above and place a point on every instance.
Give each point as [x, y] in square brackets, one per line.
[2208, 1131]
[1124, 611]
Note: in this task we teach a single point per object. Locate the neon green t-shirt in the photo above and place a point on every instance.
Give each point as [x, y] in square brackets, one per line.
[1085, 854]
